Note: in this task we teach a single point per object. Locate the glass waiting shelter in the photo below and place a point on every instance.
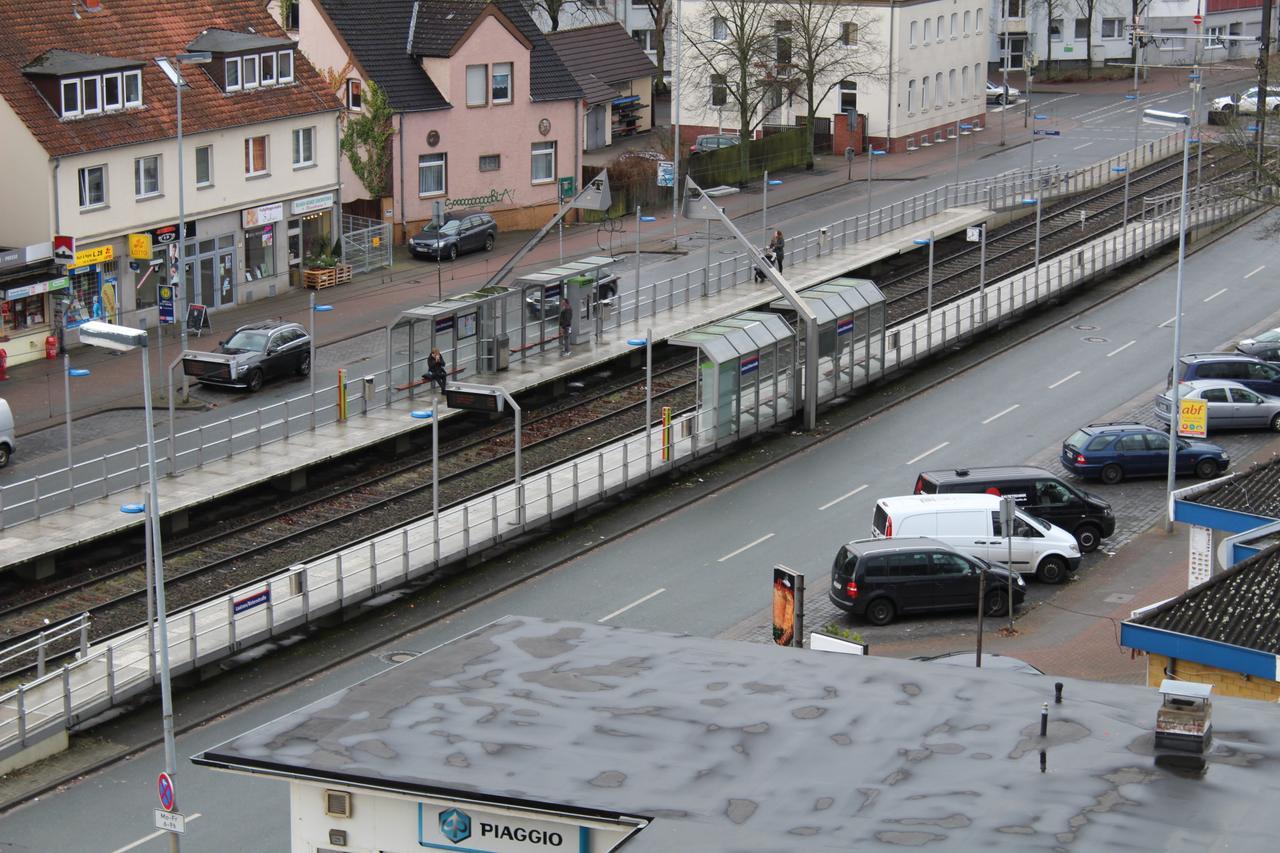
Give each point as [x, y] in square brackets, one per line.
[590, 286]
[746, 377]
[850, 314]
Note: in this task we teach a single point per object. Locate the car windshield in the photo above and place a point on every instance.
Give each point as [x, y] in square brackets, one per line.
[1040, 525]
[248, 340]
[450, 227]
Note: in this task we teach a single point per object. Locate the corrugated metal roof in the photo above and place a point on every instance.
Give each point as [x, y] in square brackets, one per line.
[1256, 491]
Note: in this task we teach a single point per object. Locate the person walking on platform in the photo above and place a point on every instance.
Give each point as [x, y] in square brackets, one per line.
[775, 246]
[566, 325]
[437, 372]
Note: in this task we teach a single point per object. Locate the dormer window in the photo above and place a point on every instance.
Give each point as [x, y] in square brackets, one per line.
[231, 70]
[284, 66]
[70, 98]
[246, 60]
[132, 89]
[268, 68]
[249, 71]
[91, 95]
[112, 92]
[85, 84]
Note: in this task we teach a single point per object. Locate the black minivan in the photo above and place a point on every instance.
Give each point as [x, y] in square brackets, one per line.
[879, 578]
[1083, 514]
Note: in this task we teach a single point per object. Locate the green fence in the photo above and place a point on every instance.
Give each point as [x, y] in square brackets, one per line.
[632, 181]
[781, 150]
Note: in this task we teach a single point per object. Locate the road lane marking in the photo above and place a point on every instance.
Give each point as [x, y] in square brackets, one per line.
[1078, 147]
[1255, 272]
[1215, 295]
[1001, 414]
[733, 554]
[144, 839]
[1121, 349]
[636, 603]
[916, 459]
[1169, 321]
[830, 504]
[1064, 379]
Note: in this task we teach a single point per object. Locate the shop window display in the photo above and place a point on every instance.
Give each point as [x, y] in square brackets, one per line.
[19, 315]
[259, 253]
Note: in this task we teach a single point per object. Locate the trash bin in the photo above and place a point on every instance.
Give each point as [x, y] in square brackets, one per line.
[503, 344]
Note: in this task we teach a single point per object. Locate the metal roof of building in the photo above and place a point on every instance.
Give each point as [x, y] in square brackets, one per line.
[737, 746]
[1255, 491]
[216, 40]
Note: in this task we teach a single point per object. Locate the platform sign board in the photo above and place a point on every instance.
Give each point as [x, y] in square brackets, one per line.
[666, 173]
[164, 790]
[252, 600]
[973, 234]
[1193, 418]
[474, 398]
[788, 607]
[171, 821]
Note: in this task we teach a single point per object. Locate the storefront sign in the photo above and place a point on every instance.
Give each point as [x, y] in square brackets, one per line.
[255, 216]
[96, 255]
[35, 289]
[64, 248]
[140, 247]
[166, 234]
[316, 202]
[1194, 420]
[12, 257]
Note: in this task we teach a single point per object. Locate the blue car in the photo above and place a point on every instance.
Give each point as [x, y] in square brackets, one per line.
[1113, 451]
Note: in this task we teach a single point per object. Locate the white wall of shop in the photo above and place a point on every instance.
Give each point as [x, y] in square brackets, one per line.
[27, 177]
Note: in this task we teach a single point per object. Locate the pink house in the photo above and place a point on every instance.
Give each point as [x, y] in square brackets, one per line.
[485, 114]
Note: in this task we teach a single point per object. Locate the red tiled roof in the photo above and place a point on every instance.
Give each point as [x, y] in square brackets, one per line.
[144, 29]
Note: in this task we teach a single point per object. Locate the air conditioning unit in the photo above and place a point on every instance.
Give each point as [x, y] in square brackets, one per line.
[337, 803]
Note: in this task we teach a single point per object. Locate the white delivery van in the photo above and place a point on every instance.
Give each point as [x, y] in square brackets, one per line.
[971, 523]
[6, 433]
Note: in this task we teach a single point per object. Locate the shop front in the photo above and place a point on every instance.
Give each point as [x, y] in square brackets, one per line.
[93, 287]
[310, 232]
[29, 304]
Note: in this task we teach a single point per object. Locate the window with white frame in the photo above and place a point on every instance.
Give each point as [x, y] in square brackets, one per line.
[924, 94]
[355, 95]
[284, 62]
[937, 90]
[204, 166]
[231, 74]
[964, 83]
[304, 147]
[112, 93]
[291, 16]
[1013, 8]
[249, 71]
[255, 156]
[432, 174]
[977, 20]
[848, 96]
[543, 162]
[490, 162]
[719, 28]
[1113, 28]
[938, 29]
[500, 83]
[1215, 34]
[71, 98]
[911, 96]
[1082, 29]
[928, 30]
[477, 85]
[132, 89]
[146, 176]
[93, 186]
[848, 33]
[719, 90]
[967, 21]
[91, 95]
[955, 24]
[268, 61]
[646, 39]
[915, 29]
[1055, 29]
[951, 86]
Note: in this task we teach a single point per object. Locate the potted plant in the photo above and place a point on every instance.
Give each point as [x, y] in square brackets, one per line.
[324, 267]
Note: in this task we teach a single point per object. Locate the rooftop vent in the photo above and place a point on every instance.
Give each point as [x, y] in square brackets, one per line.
[962, 472]
[1184, 720]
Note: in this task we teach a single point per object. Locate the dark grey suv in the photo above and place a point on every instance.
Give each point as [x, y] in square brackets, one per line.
[1248, 370]
[879, 578]
[460, 233]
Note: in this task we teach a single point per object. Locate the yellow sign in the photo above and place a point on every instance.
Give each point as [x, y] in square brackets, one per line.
[1193, 421]
[140, 247]
[377, 241]
[96, 255]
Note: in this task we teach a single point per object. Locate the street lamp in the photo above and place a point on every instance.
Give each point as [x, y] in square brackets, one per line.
[311, 357]
[1027, 202]
[68, 372]
[872, 154]
[425, 414]
[647, 343]
[122, 339]
[1124, 170]
[1182, 120]
[962, 129]
[639, 219]
[928, 315]
[198, 57]
[764, 213]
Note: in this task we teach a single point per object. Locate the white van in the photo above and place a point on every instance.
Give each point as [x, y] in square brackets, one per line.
[971, 523]
[6, 433]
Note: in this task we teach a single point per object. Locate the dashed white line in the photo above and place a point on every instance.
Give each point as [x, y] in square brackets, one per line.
[635, 603]
[144, 839]
[1121, 349]
[1067, 378]
[1167, 322]
[1255, 272]
[916, 459]
[1001, 414]
[830, 504]
[1214, 296]
[733, 554]
[1078, 147]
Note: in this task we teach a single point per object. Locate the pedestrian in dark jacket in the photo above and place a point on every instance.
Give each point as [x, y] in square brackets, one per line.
[436, 370]
[775, 246]
[566, 325]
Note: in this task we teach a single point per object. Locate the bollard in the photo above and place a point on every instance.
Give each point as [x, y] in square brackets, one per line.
[367, 396]
[342, 394]
[1044, 719]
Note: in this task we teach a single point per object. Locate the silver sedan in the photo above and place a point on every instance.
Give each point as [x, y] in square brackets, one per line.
[1230, 405]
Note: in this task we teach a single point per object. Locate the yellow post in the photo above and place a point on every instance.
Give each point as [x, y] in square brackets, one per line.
[666, 433]
[342, 394]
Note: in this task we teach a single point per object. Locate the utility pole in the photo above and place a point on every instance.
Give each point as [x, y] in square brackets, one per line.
[1260, 120]
[1004, 68]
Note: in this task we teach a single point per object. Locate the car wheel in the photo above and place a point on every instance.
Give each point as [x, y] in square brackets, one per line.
[994, 602]
[304, 366]
[255, 381]
[453, 252]
[488, 242]
[1228, 108]
[1275, 423]
[1206, 469]
[4, 455]
[1088, 537]
[880, 612]
[1052, 569]
[1112, 474]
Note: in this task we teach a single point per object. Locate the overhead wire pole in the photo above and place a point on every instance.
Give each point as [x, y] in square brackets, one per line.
[1264, 53]
[675, 122]
[1004, 68]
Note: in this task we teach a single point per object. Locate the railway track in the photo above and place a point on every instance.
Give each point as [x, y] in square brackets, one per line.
[210, 565]
[1011, 249]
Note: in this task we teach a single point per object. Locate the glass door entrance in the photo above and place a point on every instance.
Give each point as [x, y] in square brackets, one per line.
[209, 277]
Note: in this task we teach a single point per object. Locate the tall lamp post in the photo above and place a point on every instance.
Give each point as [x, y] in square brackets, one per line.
[197, 57]
[928, 311]
[311, 356]
[67, 372]
[764, 211]
[1032, 166]
[872, 154]
[962, 129]
[430, 414]
[122, 339]
[1027, 202]
[1183, 121]
[647, 343]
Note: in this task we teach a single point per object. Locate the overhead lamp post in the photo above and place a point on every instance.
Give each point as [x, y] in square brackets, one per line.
[647, 343]
[962, 129]
[639, 219]
[764, 211]
[430, 414]
[311, 356]
[67, 372]
[122, 339]
[1137, 124]
[141, 509]
[1183, 121]
[1124, 170]
[928, 315]
[1027, 202]
[872, 154]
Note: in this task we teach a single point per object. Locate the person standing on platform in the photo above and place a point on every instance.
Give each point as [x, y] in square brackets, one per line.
[566, 325]
[437, 372]
[775, 246]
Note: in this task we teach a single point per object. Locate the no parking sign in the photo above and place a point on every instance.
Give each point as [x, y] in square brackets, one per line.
[164, 787]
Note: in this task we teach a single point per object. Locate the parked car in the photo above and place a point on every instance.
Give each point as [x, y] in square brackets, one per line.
[996, 94]
[1264, 345]
[1246, 101]
[255, 353]
[713, 142]
[1085, 516]
[6, 433]
[971, 524]
[549, 307]
[1229, 405]
[1250, 371]
[461, 233]
[1113, 451]
[879, 578]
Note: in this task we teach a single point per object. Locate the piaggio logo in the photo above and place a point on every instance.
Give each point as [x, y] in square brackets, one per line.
[455, 825]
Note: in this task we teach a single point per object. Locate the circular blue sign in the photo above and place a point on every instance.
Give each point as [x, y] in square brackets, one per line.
[164, 787]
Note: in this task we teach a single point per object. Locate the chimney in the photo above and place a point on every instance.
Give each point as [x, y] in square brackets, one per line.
[92, 5]
[1184, 721]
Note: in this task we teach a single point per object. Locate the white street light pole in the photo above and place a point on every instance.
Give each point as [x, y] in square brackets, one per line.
[647, 343]
[67, 373]
[872, 154]
[1124, 170]
[311, 356]
[180, 315]
[675, 122]
[962, 129]
[764, 213]
[928, 311]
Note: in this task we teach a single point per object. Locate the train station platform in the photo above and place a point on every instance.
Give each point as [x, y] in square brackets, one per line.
[36, 544]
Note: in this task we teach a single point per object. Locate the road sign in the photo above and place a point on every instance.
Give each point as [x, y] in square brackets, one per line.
[567, 188]
[164, 298]
[1198, 20]
[1194, 419]
[171, 821]
[64, 248]
[666, 173]
[973, 234]
[164, 788]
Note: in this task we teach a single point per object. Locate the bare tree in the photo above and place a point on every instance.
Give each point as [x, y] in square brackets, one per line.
[829, 43]
[660, 12]
[553, 9]
[1052, 11]
[1087, 9]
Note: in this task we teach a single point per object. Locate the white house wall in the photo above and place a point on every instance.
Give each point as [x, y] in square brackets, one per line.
[28, 172]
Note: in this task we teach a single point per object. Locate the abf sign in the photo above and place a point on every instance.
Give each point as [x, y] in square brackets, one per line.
[1193, 418]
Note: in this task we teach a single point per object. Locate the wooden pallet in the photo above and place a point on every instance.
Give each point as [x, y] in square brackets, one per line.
[320, 278]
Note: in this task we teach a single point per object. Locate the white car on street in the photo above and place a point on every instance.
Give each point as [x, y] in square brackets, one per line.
[996, 94]
[1246, 102]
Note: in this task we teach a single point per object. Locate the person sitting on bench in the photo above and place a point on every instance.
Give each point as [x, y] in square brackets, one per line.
[436, 370]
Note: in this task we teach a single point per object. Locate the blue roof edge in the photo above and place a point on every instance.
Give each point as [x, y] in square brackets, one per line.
[1209, 652]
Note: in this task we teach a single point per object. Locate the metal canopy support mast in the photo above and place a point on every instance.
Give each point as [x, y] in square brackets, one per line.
[697, 205]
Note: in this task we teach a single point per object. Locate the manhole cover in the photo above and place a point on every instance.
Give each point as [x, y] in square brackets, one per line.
[1094, 339]
[1085, 327]
[1118, 598]
[398, 657]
